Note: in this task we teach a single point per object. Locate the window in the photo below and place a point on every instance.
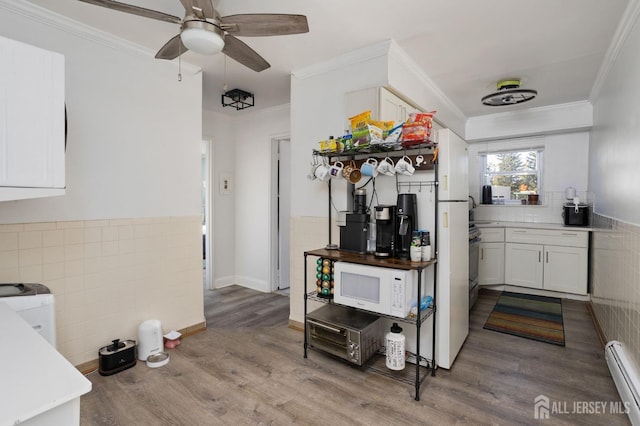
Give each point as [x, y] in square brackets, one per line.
[513, 175]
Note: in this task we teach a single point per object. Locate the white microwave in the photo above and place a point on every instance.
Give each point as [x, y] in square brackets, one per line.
[382, 290]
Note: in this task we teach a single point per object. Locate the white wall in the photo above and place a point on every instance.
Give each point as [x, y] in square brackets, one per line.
[616, 137]
[254, 132]
[124, 243]
[134, 130]
[220, 129]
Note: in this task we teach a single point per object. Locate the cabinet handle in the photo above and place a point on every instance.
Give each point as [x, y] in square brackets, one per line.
[547, 257]
[515, 231]
[482, 254]
[570, 234]
[539, 256]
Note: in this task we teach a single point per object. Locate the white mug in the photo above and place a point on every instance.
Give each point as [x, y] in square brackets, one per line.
[322, 173]
[404, 166]
[387, 167]
[336, 170]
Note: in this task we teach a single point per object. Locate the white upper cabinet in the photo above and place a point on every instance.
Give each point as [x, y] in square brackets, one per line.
[32, 121]
[384, 105]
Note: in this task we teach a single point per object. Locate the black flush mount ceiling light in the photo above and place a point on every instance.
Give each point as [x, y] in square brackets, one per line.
[509, 93]
[239, 99]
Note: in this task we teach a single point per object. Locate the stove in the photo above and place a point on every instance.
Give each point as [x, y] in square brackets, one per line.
[474, 252]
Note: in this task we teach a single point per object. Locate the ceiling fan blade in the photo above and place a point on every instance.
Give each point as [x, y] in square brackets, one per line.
[135, 10]
[264, 24]
[238, 50]
[200, 8]
[172, 49]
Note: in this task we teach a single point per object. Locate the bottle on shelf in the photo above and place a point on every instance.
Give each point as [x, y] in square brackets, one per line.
[395, 352]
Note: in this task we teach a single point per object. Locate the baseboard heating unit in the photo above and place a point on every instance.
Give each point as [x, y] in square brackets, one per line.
[625, 377]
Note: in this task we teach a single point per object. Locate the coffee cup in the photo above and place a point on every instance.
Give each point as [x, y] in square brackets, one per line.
[387, 167]
[336, 170]
[352, 173]
[369, 167]
[404, 166]
[322, 172]
[419, 160]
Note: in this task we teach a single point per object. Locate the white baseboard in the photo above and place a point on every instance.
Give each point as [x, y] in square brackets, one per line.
[254, 284]
[224, 282]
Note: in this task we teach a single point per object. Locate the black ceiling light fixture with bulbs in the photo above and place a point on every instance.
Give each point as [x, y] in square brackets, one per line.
[204, 31]
[509, 93]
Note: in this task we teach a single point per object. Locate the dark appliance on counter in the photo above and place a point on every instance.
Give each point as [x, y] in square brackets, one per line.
[385, 230]
[347, 333]
[406, 223]
[354, 234]
[576, 214]
[487, 197]
[117, 357]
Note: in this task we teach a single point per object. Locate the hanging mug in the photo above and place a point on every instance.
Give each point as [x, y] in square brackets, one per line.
[369, 167]
[387, 167]
[352, 173]
[404, 166]
[336, 170]
[322, 172]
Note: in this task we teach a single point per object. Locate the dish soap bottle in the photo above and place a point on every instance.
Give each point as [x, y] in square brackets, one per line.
[395, 356]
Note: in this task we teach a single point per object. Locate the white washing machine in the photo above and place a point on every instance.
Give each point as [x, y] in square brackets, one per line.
[34, 303]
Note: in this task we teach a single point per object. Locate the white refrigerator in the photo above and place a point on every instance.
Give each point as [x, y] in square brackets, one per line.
[452, 315]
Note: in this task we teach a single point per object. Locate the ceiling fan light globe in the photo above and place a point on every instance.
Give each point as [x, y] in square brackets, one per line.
[202, 41]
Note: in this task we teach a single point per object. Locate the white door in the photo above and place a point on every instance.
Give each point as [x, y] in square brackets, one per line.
[565, 269]
[523, 265]
[491, 264]
[280, 211]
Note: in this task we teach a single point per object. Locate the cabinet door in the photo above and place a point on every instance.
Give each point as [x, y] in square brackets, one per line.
[491, 264]
[394, 108]
[565, 269]
[31, 116]
[523, 265]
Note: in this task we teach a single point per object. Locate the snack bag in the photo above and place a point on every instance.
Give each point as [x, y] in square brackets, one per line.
[360, 121]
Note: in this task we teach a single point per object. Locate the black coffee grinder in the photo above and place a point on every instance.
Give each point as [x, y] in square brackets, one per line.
[406, 223]
[354, 232]
[385, 231]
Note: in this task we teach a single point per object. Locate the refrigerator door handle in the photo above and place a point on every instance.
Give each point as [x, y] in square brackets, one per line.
[445, 220]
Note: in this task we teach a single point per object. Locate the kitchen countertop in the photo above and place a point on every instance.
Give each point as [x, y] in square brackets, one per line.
[528, 225]
[35, 376]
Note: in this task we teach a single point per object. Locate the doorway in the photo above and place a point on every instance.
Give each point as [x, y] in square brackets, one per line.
[280, 212]
[207, 219]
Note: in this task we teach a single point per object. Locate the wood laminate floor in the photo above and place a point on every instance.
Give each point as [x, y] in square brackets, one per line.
[255, 374]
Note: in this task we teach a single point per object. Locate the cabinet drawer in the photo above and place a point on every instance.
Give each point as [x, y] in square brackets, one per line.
[492, 235]
[567, 238]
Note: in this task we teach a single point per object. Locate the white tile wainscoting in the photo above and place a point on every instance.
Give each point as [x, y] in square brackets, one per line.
[615, 281]
[108, 276]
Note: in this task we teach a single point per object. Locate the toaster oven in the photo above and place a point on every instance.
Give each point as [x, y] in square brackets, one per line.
[344, 332]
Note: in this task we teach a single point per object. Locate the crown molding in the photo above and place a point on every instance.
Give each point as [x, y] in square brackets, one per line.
[629, 19]
[396, 52]
[78, 29]
[354, 57]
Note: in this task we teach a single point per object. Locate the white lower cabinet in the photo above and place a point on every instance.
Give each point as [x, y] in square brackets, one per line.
[565, 269]
[523, 265]
[547, 259]
[491, 264]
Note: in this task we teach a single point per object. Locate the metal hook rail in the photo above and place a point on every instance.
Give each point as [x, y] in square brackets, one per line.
[417, 184]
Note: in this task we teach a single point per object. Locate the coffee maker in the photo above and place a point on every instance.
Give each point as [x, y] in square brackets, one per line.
[406, 223]
[385, 231]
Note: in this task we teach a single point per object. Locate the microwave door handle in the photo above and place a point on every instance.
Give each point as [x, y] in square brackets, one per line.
[326, 327]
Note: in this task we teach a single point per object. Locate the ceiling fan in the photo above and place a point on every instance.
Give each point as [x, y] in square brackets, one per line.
[204, 31]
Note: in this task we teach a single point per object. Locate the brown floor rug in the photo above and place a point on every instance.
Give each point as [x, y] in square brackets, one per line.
[529, 316]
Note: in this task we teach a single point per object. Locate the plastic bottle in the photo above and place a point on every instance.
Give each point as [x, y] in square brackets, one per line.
[395, 342]
[426, 246]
